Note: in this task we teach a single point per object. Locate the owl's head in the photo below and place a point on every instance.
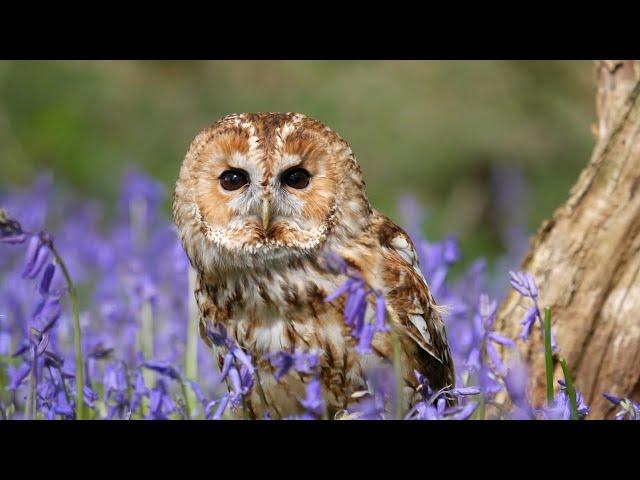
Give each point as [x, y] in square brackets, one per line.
[256, 189]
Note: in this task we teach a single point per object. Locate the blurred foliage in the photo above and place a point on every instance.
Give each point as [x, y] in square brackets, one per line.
[431, 128]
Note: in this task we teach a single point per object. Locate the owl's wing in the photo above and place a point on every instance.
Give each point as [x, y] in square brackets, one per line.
[409, 299]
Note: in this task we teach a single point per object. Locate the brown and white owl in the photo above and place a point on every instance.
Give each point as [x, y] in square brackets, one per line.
[260, 200]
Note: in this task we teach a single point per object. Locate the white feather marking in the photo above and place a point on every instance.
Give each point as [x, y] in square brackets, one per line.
[421, 325]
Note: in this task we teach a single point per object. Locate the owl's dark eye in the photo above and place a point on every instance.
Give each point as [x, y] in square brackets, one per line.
[296, 178]
[233, 179]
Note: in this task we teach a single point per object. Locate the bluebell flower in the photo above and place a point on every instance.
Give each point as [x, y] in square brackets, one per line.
[160, 403]
[313, 402]
[140, 391]
[358, 294]
[37, 255]
[222, 404]
[516, 382]
[218, 335]
[561, 407]
[199, 394]
[381, 395]
[487, 339]
[524, 284]
[528, 322]
[47, 276]
[62, 406]
[116, 389]
[10, 230]
[17, 375]
[628, 408]
[300, 361]
[163, 368]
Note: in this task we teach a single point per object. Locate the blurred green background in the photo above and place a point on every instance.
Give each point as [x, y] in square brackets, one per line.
[434, 129]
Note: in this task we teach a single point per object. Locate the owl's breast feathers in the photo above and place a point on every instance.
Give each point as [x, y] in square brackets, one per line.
[284, 308]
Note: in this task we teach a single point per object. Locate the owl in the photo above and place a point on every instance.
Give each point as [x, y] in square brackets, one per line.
[260, 201]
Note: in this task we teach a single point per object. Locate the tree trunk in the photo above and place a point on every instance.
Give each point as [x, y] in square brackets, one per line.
[586, 258]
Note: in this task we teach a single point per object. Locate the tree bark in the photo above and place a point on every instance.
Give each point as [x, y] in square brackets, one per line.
[586, 258]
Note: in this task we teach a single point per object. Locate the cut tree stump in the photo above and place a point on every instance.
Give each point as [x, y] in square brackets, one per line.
[586, 258]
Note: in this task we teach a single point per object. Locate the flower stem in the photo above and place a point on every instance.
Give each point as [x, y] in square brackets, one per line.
[191, 350]
[261, 393]
[146, 329]
[77, 339]
[480, 413]
[548, 358]
[33, 389]
[570, 390]
[3, 381]
[187, 407]
[395, 342]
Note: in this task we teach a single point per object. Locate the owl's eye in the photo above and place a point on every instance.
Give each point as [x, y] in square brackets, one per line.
[296, 178]
[233, 179]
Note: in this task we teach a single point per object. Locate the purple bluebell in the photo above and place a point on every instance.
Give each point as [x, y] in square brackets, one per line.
[355, 308]
[528, 322]
[10, 230]
[300, 361]
[516, 383]
[163, 368]
[160, 403]
[524, 284]
[140, 391]
[628, 408]
[222, 404]
[199, 394]
[17, 375]
[561, 407]
[37, 256]
[313, 402]
[381, 396]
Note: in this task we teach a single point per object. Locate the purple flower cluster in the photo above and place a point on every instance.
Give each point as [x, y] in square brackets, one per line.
[123, 288]
[237, 368]
[359, 296]
[131, 276]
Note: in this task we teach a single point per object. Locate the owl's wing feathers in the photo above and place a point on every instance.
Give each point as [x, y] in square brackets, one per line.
[411, 302]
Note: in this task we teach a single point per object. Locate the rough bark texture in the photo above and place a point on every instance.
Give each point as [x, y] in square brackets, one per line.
[586, 258]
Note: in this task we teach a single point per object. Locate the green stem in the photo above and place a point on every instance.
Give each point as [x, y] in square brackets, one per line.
[261, 394]
[145, 345]
[146, 329]
[570, 390]
[3, 381]
[187, 407]
[191, 351]
[32, 403]
[77, 339]
[395, 342]
[482, 408]
[245, 409]
[548, 358]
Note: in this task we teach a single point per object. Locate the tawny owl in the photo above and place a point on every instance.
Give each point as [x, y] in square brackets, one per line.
[260, 199]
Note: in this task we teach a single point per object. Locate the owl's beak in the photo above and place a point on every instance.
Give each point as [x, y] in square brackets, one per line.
[265, 213]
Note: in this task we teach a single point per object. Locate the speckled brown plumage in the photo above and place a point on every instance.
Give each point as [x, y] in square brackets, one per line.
[268, 285]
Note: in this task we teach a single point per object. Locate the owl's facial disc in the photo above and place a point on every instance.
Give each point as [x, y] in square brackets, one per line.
[261, 187]
[270, 209]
